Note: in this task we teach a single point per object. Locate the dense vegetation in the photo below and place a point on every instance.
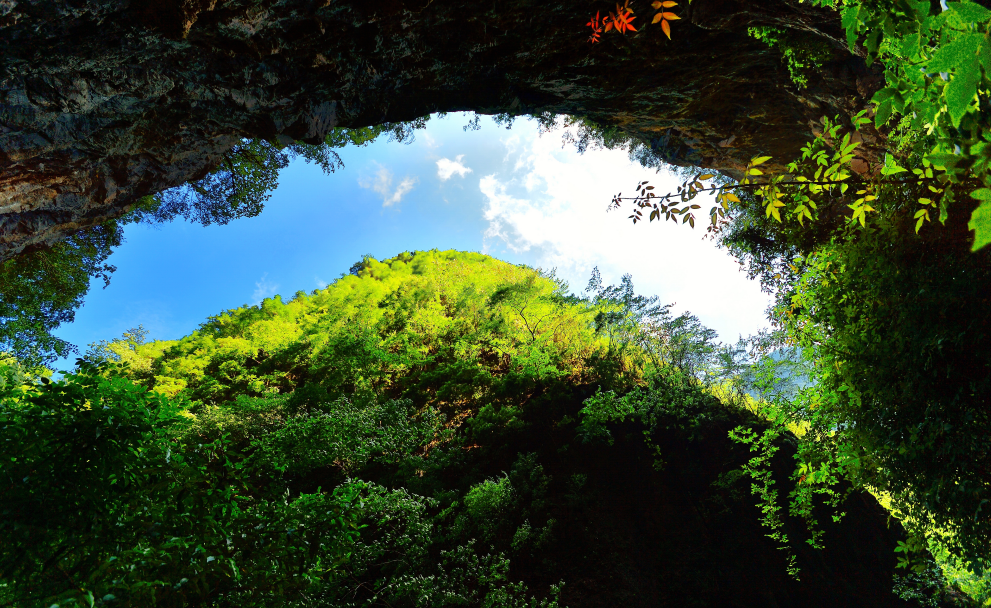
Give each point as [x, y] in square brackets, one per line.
[438, 429]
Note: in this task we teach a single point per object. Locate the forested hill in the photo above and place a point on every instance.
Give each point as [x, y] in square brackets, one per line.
[437, 429]
[443, 328]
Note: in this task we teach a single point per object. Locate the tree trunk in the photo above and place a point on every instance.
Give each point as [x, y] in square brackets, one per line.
[104, 101]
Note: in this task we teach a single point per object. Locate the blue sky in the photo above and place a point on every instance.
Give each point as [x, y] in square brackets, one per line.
[514, 194]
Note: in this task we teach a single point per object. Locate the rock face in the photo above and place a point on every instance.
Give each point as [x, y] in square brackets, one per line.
[104, 101]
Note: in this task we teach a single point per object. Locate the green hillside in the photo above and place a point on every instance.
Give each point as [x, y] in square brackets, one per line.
[437, 429]
[424, 326]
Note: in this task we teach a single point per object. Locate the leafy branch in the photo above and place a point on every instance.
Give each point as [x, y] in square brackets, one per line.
[816, 177]
[621, 21]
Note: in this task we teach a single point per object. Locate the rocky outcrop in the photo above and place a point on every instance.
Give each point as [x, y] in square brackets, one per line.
[104, 101]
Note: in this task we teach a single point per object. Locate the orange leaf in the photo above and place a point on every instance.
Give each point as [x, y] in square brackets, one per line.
[666, 28]
[657, 4]
[670, 16]
[667, 4]
[657, 17]
[608, 25]
[623, 21]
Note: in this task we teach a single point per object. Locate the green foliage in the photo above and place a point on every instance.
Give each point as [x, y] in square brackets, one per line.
[885, 306]
[947, 98]
[883, 325]
[799, 51]
[42, 289]
[892, 329]
[959, 576]
[226, 468]
[249, 172]
[346, 436]
[499, 511]
[108, 497]
[671, 402]
[759, 470]
[439, 328]
[238, 187]
[217, 469]
[487, 504]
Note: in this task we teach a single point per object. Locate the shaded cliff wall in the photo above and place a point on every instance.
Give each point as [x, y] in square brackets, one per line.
[104, 101]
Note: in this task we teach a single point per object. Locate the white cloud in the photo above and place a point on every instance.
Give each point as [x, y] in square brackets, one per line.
[446, 168]
[404, 186]
[264, 289]
[430, 141]
[321, 284]
[382, 184]
[550, 205]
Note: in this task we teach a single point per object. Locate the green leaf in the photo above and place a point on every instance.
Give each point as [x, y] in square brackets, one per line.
[956, 54]
[884, 94]
[850, 23]
[961, 91]
[891, 166]
[883, 113]
[874, 41]
[911, 44]
[759, 160]
[980, 220]
[969, 12]
[942, 159]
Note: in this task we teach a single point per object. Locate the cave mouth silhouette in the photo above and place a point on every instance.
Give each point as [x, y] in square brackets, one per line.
[112, 101]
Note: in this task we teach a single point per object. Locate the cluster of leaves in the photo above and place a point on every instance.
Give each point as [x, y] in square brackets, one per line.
[802, 54]
[893, 326]
[431, 327]
[42, 289]
[937, 66]
[248, 173]
[622, 19]
[116, 495]
[821, 177]
[109, 496]
[942, 137]
[895, 336]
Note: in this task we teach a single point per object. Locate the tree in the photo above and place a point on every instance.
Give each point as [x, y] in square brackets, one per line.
[41, 290]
